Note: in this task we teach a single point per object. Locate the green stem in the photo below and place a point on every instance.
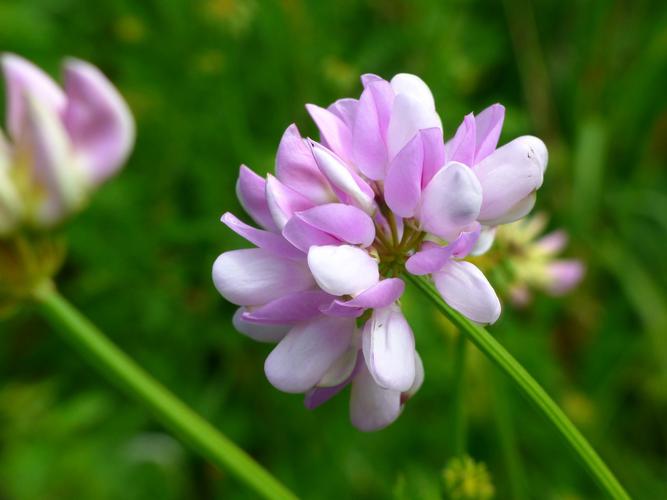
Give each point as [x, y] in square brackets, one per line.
[104, 356]
[507, 439]
[458, 406]
[530, 388]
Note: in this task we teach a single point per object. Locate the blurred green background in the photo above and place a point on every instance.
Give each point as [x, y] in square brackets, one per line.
[212, 85]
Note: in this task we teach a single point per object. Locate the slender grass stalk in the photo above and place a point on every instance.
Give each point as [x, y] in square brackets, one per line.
[530, 388]
[516, 476]
[458, 400]
[121, 370]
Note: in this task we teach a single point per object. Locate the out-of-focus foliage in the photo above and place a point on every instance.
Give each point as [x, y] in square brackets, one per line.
[213, 84]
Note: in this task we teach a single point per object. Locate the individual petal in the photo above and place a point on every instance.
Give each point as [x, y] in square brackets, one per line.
[451, 201]
[251, 192]
[406, 83]
[290, 308]
[321, 393]
[45, 147]
[515, 212]
[509, 176]
[267, 240]
[258, 332]
[334, 134]
[342, 270]
[462, 146]
[429, 259]
[372, 407]
[344, 222]
[98, 120]
[369, 151]
[408, 116]
[489, 124]
[283, 201]
[341, 370]
[348, 186]
[564, 275]
[307, 352]
[389, 349]
[254, 276]
[465, 288]
[434, 153]
[484, 242]
[466, 241]
[382, 294]
[296, 168]
[346, 110]
[21, 78]
[403, 185]
[419, 380]
[303, 235]
[552, 243]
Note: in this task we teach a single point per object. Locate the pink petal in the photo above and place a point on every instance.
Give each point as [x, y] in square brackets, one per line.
[254, 276]
[303, 235]
[553, 242]
[419, 380]
[346, 110]
[342, 270]
[251, 192]
[408, 116]
[260, 333]
[451, 201]
[307, 352]
[98, 120]
[429, 259]
[334, 134]
[372, 407]
[434, 153]
[509, 177]
[296, 168]
[402, 187]
[564, 275]
[290, 308]
[464, 287]
[383, 294]
[23, 77]
[389, 349]
[462, 146]
[489, 124]
[267, 240]
[344, 222]
[486, 237]
[283, 201]
[406, 83]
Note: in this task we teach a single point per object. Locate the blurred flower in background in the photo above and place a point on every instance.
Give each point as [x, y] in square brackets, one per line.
[466, 479]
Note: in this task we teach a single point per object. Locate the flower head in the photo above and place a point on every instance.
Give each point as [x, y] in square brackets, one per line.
[61, 143]
[380, 194]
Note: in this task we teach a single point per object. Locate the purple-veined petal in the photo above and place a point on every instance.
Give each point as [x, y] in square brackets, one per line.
[434, 153]
[267, 240]
[408, 116]
[303, 235]
[296, 168]
[461, 147]
[307, 352]
[369, 151]
[564, 275]
[344, 222]
[290, 308]
[402, 187]
[489, 124]
[342, 270]
[21, 78]
[429, 259]
[372, 407]
[509, 176]
[382, 294]
[464, 287]
[253, 276]
[258, 332]
[485, 240]
[334, 134]
[251, 192]
[98, 119]
[389, 349]
[348, 186]
[283, 201]
[451, 201]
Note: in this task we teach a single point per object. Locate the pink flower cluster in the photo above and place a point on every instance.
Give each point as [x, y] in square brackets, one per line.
[380, 194]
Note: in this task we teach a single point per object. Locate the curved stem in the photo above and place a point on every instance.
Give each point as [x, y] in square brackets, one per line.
[530, 388]
[113, 363]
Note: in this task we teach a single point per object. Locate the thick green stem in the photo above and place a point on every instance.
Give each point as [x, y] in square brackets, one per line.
[108, 359]
[458, 399]
[530, 388]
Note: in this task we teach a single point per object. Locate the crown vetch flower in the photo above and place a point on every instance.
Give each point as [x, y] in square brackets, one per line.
[381, 193]
[62, 143]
